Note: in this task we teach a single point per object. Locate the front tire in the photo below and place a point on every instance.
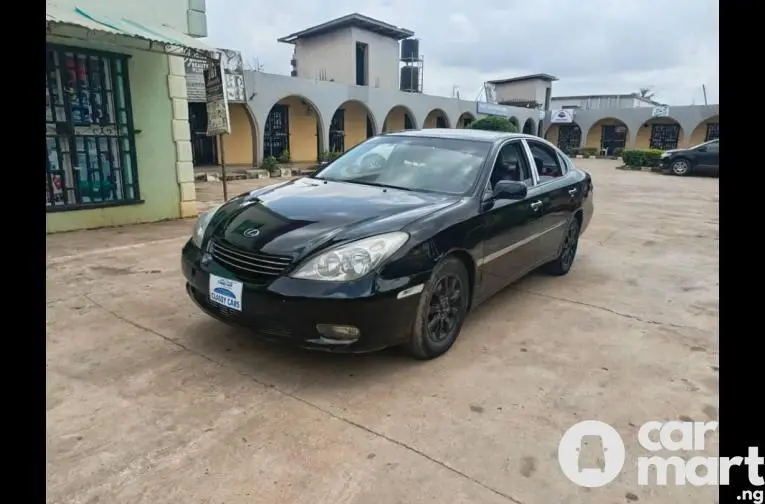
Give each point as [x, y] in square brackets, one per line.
[680, 167]
[562, 264]
[441, 312]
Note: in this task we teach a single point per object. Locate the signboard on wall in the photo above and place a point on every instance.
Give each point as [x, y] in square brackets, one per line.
[662, 111]
[195, 80]
[234, 74]
[218, 120]
[492, 109]
[562, 116]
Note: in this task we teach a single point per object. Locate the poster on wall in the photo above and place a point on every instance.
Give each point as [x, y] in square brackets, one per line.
[233, 66]
[218, 120]
[562, 116]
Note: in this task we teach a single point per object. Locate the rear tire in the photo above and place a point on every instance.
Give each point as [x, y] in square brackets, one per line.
[562, 264]
[442, 310]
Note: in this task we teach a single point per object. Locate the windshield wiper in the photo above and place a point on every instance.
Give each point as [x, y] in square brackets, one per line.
[378, 184]
[357, 181]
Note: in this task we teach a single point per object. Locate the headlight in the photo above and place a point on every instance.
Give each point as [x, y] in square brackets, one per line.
[664, 155]
[352, 260]
[201, 226]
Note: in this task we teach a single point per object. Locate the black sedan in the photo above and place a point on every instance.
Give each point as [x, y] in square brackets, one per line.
[392, 243]
[702, 159]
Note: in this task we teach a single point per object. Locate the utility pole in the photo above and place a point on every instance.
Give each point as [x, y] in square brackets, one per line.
[704, 88]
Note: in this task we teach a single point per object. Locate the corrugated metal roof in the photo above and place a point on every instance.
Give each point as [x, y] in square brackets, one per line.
[108, 19]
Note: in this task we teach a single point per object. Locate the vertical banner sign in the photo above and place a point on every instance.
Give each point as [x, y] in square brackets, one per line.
[218, 120]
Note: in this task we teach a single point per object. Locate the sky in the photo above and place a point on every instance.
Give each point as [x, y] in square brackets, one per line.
[592, 46]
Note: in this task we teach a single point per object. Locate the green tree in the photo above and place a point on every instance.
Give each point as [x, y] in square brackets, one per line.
[494, 123]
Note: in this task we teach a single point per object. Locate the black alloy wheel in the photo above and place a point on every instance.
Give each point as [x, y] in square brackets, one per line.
[444, 307]
[562, 264]
[441, 311]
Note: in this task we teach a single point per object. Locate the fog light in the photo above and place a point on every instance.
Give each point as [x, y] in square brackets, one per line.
[338, 332]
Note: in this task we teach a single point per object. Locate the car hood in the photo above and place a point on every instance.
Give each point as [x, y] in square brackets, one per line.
[303, 215]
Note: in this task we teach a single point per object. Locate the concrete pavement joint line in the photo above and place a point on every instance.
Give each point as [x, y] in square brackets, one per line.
[609, 310]
[308, 403]
[62, 259]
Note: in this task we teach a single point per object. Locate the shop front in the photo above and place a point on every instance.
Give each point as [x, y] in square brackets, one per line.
[116, 117]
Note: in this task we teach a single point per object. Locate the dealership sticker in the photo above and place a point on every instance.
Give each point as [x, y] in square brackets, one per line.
[226, 292]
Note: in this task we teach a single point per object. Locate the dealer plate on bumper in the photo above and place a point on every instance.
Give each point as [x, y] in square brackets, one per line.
[226, 292]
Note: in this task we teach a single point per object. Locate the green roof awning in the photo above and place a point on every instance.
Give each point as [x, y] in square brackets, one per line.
[106, 18]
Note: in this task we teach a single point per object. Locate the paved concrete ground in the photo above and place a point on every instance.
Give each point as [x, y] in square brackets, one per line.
[150, 401]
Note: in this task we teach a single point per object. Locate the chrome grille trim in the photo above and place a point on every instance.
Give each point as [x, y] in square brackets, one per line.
[258, 264]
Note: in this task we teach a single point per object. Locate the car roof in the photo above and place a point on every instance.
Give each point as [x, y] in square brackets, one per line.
[462, 134]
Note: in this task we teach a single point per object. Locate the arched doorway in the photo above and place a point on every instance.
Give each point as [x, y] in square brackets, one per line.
[240, 146]
[708, 129]
[292, 132]
[516, 122]
[465, 119]
[607, 135]
[566, 136]
[529, 127]
[399, 118]
[351, 124]
[436, 118]
[662, 133]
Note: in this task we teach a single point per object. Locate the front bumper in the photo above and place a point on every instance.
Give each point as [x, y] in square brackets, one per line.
[287, 310]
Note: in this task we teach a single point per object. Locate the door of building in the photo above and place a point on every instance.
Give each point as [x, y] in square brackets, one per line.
[613, 137]
[713, 131]
[664, 136]
[276, 138]
[203, 147]
[569, 137]
[337, 132]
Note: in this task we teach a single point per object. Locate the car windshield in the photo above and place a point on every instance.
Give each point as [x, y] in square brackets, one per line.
[443, 165]
[705, 143]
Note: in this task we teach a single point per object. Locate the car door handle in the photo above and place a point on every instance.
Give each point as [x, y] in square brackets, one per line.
[536, 205]
[572, 192]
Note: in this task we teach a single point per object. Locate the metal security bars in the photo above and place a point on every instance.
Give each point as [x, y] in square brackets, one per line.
[90, 143]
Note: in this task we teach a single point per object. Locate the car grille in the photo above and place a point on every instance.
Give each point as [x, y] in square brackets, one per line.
[249, 264]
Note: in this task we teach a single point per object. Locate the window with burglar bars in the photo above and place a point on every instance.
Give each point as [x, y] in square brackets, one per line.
[89, 132]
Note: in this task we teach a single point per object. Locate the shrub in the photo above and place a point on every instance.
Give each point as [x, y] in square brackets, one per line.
[618, 152]
[642, 157]
[494, 123]
[589, 151]
[284, 157]
[270, 163]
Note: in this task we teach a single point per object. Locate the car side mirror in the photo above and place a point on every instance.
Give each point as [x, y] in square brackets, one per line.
[510, 190]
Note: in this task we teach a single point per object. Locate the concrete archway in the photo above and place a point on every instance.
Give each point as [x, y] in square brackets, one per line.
[607, 135]
[293, 127]
[240, 147]
[566, 137]
[708, 129]
[399, 118]
[529, 127]
[352, 123]
[436, 118]
[465, 119]
[663, 133]
[515, 121]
